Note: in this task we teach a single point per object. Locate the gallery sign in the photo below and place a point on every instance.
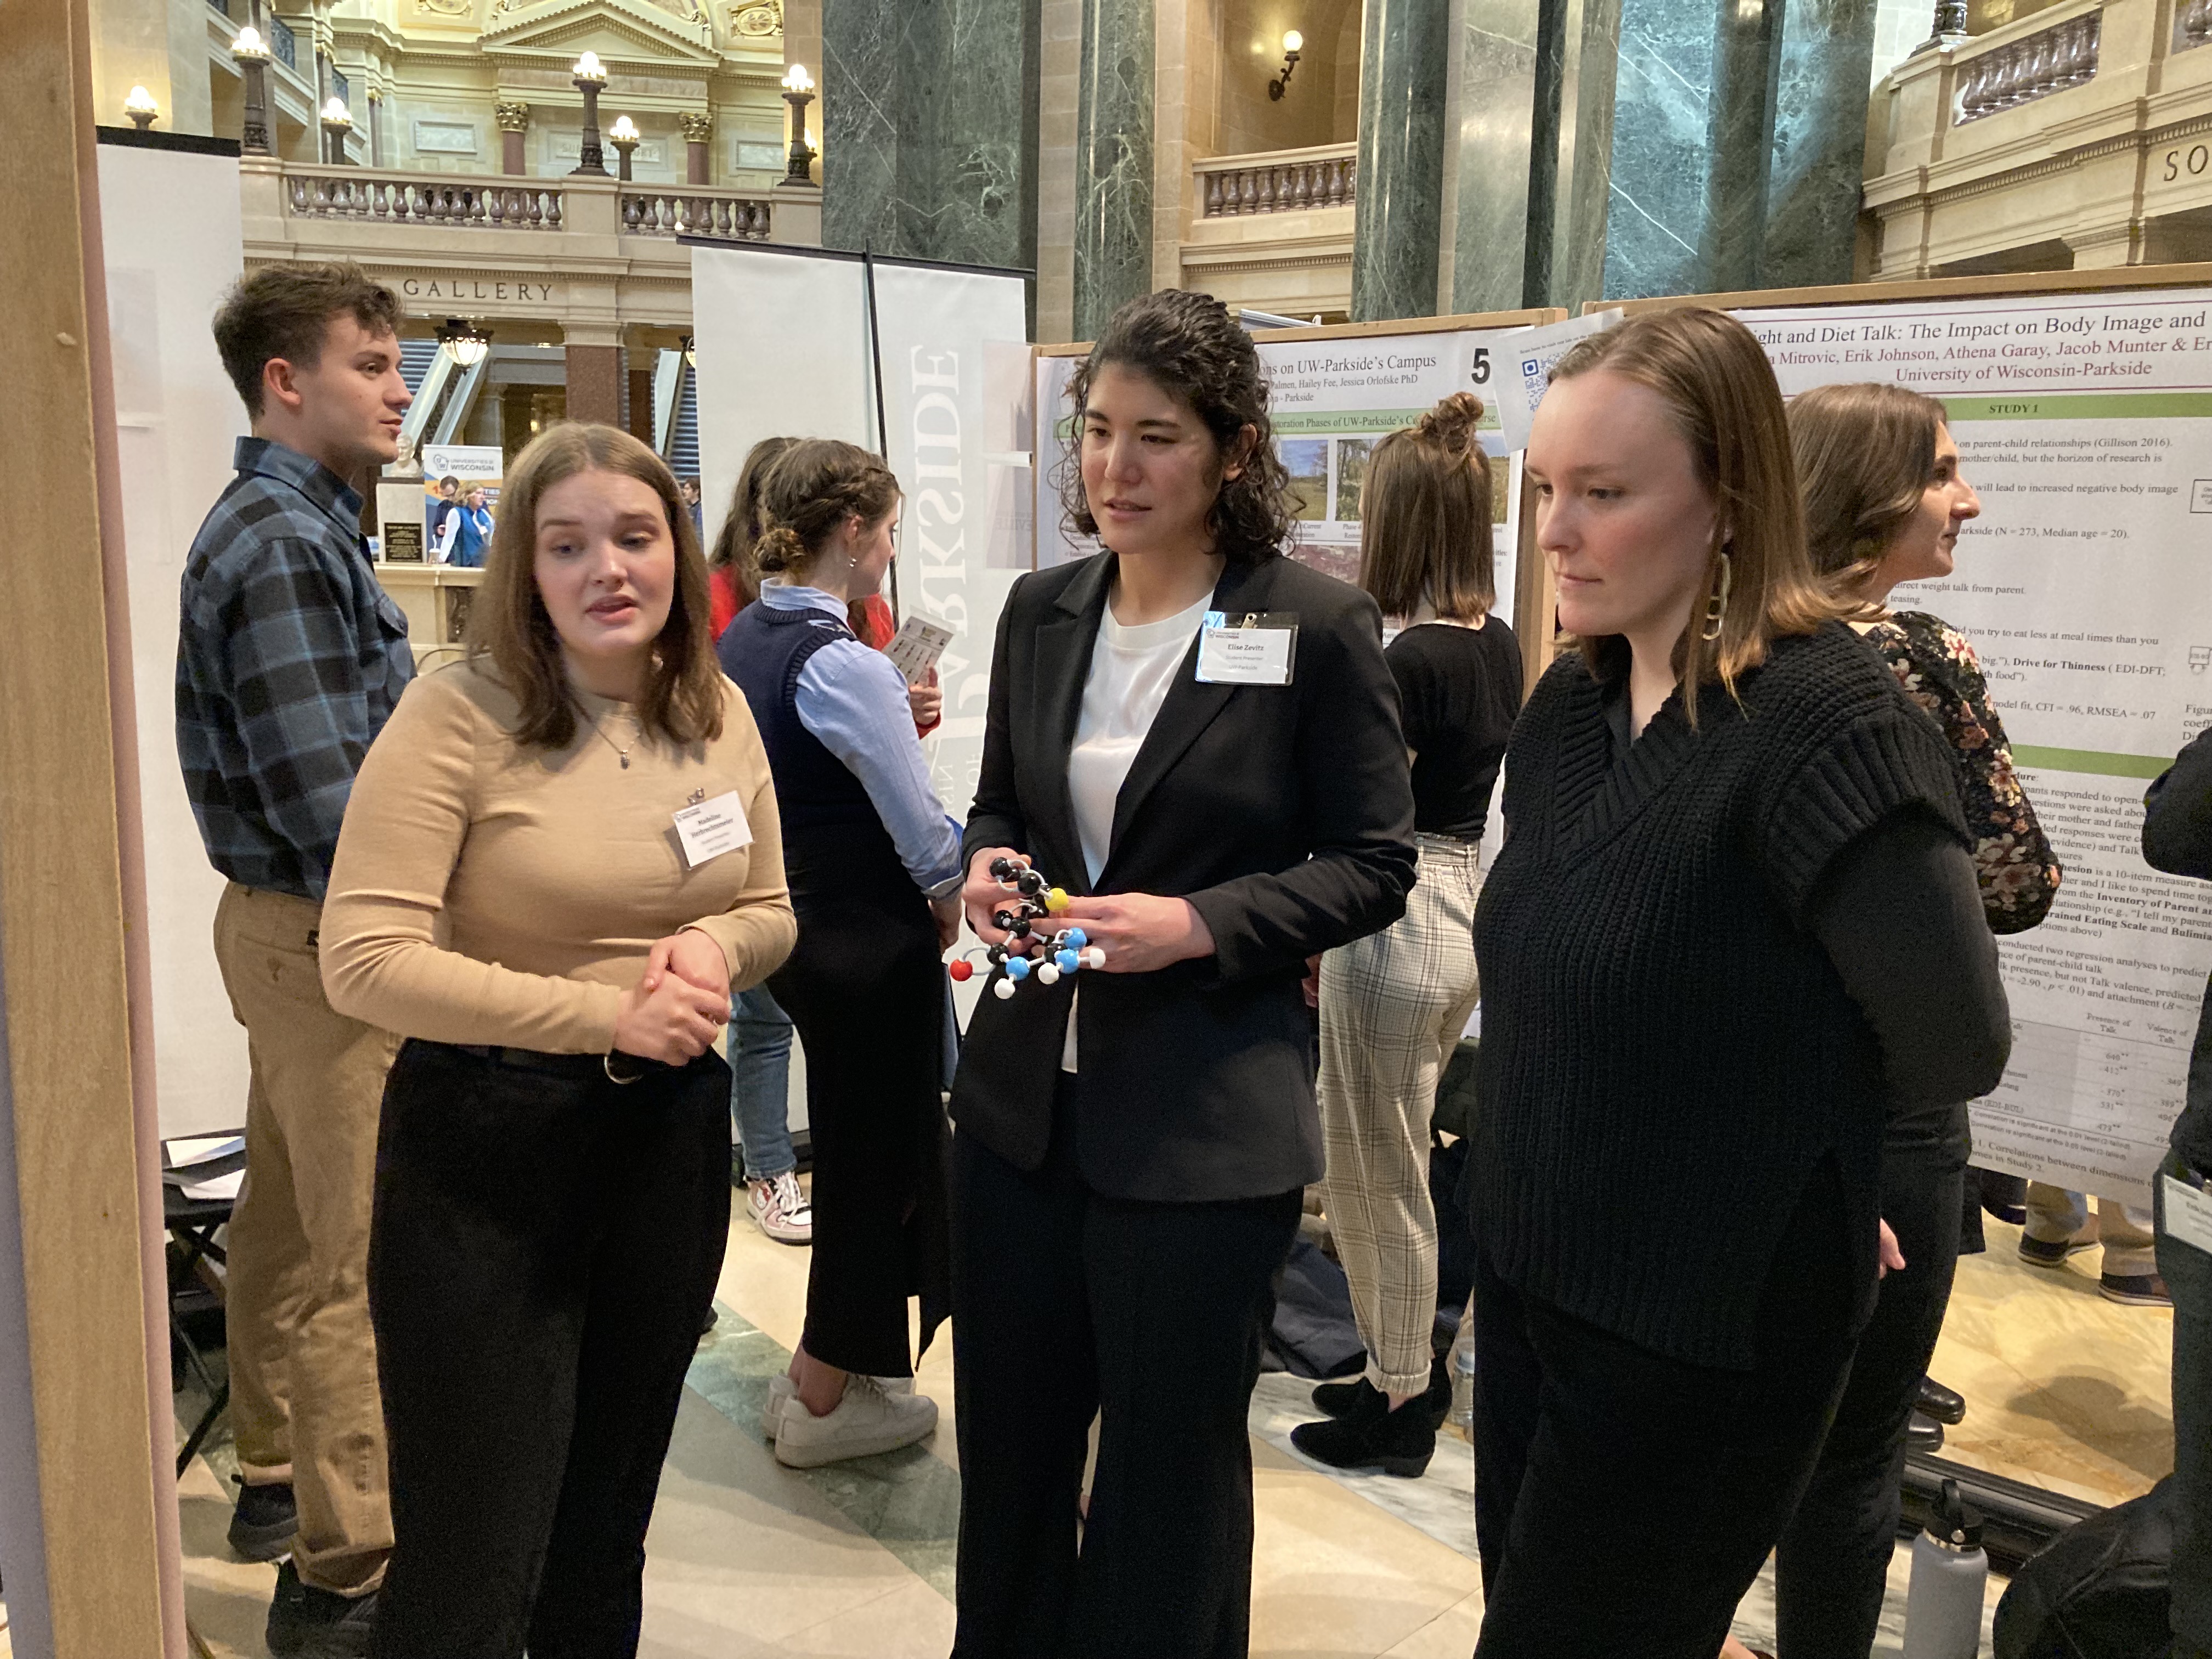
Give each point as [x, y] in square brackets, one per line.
[460, 288]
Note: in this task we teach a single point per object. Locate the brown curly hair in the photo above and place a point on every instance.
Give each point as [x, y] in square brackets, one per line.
[1424, 517]
[1190, 347]
[813, 487]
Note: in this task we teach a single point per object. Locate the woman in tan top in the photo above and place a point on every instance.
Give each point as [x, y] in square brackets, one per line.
[559, 860]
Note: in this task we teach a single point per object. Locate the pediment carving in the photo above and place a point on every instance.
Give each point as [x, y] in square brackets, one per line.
[642, 35]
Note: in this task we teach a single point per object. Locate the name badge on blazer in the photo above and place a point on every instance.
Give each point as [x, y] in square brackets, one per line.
[1247, 648]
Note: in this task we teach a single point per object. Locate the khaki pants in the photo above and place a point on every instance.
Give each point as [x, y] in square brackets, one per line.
[1392, 1006]
[304, 1404]
[2055, 1214]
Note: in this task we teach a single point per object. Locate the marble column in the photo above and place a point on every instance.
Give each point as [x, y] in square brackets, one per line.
[1571, 151]
[929, 129]
[698, 133]
[1819, 144]
[514, 132]
[595, 383]
[1398, 220]
[1113, 160]
[1487, 151]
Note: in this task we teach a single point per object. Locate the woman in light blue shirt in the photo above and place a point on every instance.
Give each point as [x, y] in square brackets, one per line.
[874, 867]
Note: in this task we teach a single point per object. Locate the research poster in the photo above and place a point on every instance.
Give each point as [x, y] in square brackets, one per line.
[1332, 401]
[2084, 421]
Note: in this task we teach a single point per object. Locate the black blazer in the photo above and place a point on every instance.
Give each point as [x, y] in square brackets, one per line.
[1284, 814]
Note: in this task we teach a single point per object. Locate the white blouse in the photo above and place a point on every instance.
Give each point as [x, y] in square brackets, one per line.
[1131, 669]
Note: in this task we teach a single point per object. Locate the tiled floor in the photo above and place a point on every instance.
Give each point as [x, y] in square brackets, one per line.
[747, 1558]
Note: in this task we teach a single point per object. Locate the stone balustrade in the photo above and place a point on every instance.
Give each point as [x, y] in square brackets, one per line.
[2034, 66]
[376, 198]
[1278, 181]
[732, 216]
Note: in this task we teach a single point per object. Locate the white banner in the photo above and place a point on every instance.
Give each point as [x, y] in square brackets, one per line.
[170, 221]
[2085, 422]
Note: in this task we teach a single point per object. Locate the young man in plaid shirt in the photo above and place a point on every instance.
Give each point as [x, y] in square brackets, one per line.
[289, 659]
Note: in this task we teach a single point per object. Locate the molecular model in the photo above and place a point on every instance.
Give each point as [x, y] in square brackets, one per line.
[1023, 920]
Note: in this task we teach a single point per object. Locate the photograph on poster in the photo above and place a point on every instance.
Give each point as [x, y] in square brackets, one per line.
[2084, 421]
[461, 498]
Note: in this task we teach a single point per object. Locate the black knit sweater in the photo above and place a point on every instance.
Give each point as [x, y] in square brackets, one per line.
[1667, 1052]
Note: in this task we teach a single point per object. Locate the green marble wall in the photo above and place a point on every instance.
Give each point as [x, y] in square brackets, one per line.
[1496, 41]
[1571, 150]
[1738, 130]
[1399, 216]
[1113, 160]
[929, 145]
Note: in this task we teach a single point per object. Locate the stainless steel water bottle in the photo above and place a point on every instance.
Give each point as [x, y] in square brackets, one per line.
[1943, 1608]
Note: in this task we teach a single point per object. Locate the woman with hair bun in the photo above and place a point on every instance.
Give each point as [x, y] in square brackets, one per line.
[1135, 1141]
[874, 865]
[1393, 1005]
[1734, 926]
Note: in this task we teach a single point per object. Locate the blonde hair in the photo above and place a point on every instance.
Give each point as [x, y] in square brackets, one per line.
[509, 625]
[1864, 453]
[1720, 392]
[1424, 517]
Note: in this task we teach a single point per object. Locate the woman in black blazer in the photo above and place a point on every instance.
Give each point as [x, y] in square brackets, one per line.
[1133, 1140]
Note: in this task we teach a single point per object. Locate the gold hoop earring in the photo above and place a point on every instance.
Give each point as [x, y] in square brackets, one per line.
[1717, 605]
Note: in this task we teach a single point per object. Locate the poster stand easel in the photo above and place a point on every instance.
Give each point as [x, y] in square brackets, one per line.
[2022, 1516]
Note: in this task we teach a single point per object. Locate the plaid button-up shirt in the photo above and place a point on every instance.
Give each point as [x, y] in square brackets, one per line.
[290, 657]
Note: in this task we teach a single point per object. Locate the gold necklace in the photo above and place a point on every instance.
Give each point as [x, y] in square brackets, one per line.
[620, 753]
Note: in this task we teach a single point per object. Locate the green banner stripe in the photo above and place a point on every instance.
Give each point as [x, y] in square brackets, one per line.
[2100, 761]
[2081, 406]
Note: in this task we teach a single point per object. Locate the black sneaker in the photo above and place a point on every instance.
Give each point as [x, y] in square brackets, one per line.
[1399, 1443]
[2134, 1290]
[2051, 1252]
[308, 1623]
[263, 1525]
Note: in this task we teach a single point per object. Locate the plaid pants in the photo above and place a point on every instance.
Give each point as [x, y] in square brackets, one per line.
[1392, 1006]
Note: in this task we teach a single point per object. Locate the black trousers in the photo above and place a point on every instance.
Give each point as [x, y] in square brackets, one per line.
[1625, 1501]
[1831, 1566]
[865, 989]
[545, 1248]
[1069, 1305]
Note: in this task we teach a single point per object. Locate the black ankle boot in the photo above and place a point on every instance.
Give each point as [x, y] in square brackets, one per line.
[1398, 1443]
[1343, 1398]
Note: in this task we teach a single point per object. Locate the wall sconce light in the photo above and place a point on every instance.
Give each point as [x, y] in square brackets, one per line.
[464, 341]
[336, 122]
[589, 75]
[623, 136]
[799, 93]
[141, 108]
[1293, 43]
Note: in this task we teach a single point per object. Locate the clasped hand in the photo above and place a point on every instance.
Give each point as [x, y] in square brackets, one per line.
[1140, 933]
[682, 999]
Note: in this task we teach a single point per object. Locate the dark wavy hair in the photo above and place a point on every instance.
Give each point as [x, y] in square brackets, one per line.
[1190, 347]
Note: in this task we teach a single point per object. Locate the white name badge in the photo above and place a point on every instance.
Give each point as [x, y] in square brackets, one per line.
[712, 828]
[1254, 648]
[2188, 1213]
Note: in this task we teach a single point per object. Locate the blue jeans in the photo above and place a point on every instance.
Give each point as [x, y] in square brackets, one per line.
[760, 1083]
[2187, 1274]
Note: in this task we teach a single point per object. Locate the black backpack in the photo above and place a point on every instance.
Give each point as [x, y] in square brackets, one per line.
[2098, 1590]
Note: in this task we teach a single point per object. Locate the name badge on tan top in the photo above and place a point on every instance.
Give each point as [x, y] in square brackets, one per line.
[711, 828]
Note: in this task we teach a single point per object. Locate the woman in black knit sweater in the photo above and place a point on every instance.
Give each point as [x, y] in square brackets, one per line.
[1734, 919]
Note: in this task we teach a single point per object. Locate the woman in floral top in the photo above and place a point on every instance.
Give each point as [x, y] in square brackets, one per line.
[1884, 502]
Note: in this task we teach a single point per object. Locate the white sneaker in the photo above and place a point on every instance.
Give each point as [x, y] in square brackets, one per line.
[779, 1209]
[867, 1421]
[782, 1389]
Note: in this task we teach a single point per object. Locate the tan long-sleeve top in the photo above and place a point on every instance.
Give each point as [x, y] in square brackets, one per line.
[485, 892]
